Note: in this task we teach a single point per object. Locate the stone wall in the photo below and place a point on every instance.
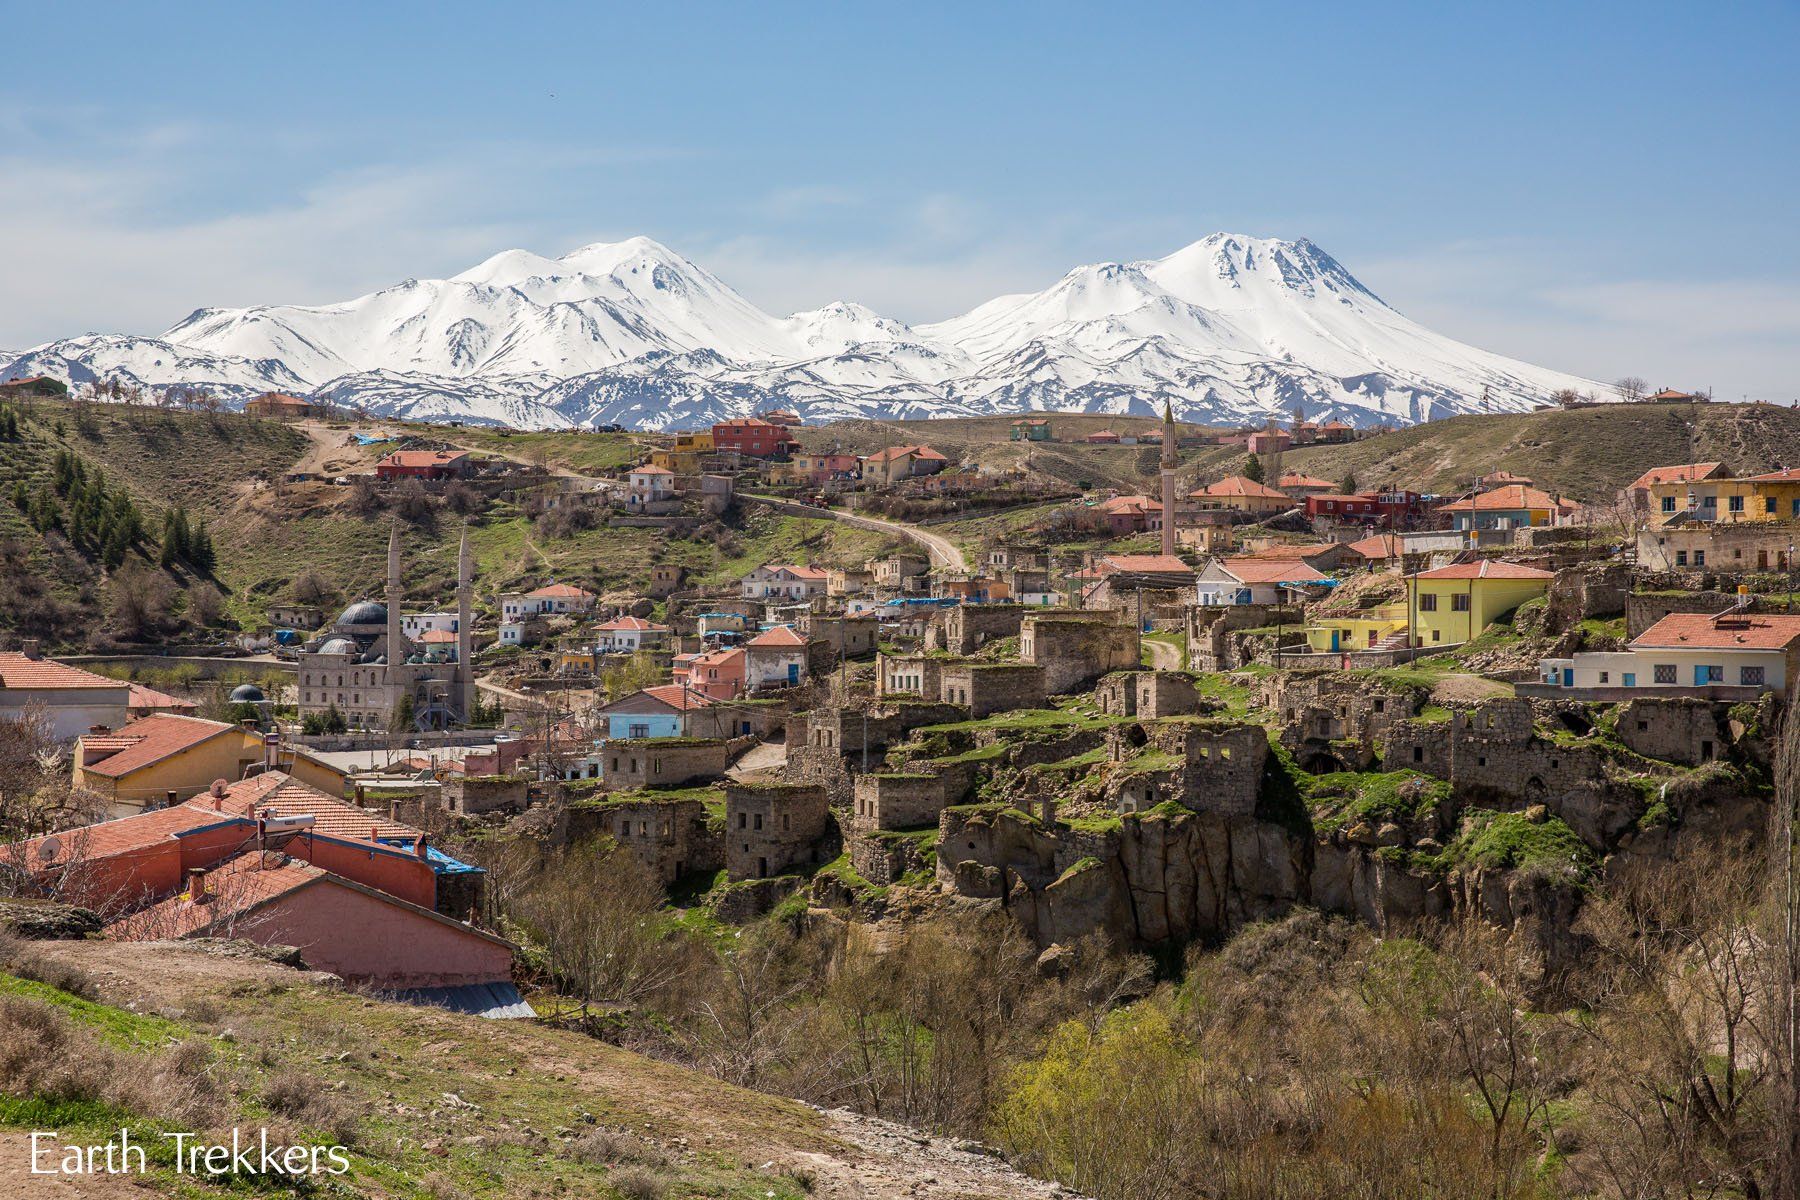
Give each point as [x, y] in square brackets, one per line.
[1209, 628]
[485, 793]
[1644, 609]
[849, 637]
[663, 762]
[908, 674]
[1335, 722]
[1208, 766]
[906, 800]
[1148, 694]
[1578, 593]
[988, 688]
[883, 860]
[670, 837]
[771, 828]
[1688, 732]
[1075, 650]
[965, 628]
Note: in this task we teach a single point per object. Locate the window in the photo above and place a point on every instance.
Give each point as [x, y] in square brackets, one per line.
[1750, 676]
[1460, 602]
[1734, 504]
[743, 822]
[1418, 754]
[759, 820]
[1665, 672]
[1709, 502]
[1714, 673]
[637, 731]
[1605, 677]
[1428, 603]
[1768, 504]
[1668, 504]
[1629, 679]
[1699, 558]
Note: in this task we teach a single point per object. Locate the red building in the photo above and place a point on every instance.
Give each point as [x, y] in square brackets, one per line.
[425, 464]
[1386, 509]
[755, 437]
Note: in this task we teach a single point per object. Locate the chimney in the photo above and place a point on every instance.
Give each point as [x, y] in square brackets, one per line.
[217, 793]
[196, 885]
[419, 846]
[32, 648]
[171, 798]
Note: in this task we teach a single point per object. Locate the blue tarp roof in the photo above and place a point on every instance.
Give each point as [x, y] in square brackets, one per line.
[363, 439]
[441, 863]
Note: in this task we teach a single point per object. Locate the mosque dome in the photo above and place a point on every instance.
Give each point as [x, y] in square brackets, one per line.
[338, 645]
[247, 693]
[364, 612]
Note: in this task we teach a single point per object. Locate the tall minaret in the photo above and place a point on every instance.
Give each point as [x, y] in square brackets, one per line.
[1168, 480]
[465, 631]
[396, 643]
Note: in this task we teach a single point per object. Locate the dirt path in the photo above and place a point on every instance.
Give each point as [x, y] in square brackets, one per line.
[765, 757]
[1163, 656]
[943, 552]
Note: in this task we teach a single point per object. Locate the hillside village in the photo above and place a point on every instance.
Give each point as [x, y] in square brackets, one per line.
[1120, 682]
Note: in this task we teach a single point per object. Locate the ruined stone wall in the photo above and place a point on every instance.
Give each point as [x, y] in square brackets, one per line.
[670, 837]
[1075, 652]
[772, 828]
[1578, 593]
[906, 800]
[1644, 609]
[908, 674]
[965, 628]
[988, 688]
[1675, 730]
[1211, 646]
[486, 793]
[663, 762]
[1319, 708]
[1148, 694]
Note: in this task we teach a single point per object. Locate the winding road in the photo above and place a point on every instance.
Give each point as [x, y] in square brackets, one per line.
[943, 552]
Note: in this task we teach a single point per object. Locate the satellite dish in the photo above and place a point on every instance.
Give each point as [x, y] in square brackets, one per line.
[217, 791]
[49, 848]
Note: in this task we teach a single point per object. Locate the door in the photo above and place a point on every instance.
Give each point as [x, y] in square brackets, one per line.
[1334, 641]
[793, 673]
[1568, 676]
[1699, 676]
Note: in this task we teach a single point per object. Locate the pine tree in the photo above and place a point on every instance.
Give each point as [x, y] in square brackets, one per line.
[1253, 469]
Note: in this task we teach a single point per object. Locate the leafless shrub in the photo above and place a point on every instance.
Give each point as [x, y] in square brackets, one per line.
[639, 1183]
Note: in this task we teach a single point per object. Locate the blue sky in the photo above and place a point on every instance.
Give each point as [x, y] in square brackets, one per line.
[1603, 188]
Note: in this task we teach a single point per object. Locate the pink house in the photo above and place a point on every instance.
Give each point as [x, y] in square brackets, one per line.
[715, 674]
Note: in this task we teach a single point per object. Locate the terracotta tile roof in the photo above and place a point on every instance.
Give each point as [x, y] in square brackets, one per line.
[1506, 477]
[274, 794]
[17, 671]
[143, 697]
[1681, 473]
[559, 591]
[1721, 631]
[1487, 568]
[797, 572]
[1239, 486]
[1130, 504]
[633, 623]
[232, 889]
[1671, 394]
[1270, 570]
[1382, 545]
[678, 697]
[1512, 496]
[124, 835]
[893, 452]
[715, 658]
[153, 739]
[1304, 481]
[651, 471]
[1335, 424]
[1144, 564]
[781, 635]
[423, 458]
[1785, 475]
[437, 637]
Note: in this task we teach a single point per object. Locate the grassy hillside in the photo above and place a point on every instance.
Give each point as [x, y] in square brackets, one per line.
[228, 470]
[432, 1105]
[1587, 454]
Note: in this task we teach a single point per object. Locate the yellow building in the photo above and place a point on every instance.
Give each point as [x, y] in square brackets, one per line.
[683, 456]
[1360, 631]
[1774, 496]
[1452, 605]
[162, 758]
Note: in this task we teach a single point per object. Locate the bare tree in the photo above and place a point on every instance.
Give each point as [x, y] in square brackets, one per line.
[1631, 388]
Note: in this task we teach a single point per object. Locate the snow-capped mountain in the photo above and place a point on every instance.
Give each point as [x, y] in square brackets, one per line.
[1227, 330]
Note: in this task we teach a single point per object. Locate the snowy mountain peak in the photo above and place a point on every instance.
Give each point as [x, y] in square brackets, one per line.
[1226, 330]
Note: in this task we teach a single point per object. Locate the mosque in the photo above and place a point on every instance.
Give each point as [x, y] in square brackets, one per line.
[363, 665]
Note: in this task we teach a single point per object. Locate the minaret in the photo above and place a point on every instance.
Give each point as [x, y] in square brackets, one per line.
[465, 632]
[1168, 480]
[396, 643]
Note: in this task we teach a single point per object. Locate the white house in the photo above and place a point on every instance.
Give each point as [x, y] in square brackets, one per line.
[775, 657]
[1247, 580]
[552, 599]
[1732, 649]
[628, 635]
[783, 581]
[71, 700]
[417, 625]
[650, 489]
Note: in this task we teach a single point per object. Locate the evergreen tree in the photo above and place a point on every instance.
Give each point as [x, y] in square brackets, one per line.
[1348, 486]
[1253, 469]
